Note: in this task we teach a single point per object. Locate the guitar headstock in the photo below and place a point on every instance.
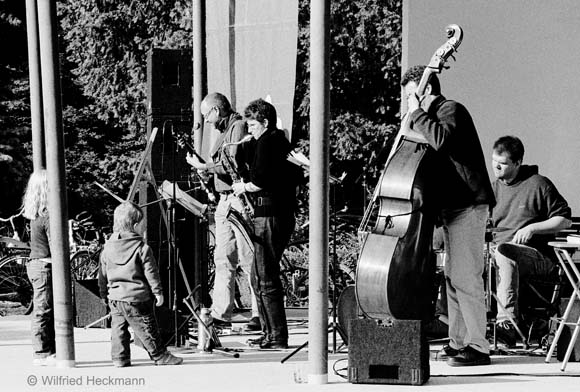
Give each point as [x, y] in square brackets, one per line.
[441, 55]
[183, 140]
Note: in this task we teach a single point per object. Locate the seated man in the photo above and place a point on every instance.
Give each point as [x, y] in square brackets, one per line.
[532, 209]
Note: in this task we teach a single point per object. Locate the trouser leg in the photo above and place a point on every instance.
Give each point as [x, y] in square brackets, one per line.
[226, 262]
[42, 321]
[515, 263]
[273, 233]
[141, 319]
[120, 335]
[464, 231]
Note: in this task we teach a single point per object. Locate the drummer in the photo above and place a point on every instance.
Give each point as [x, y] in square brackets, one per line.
[532, 208]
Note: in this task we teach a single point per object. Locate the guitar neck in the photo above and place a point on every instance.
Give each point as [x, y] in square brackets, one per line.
[191, 149]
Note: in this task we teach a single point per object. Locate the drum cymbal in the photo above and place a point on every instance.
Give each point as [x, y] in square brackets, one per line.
[496, 229]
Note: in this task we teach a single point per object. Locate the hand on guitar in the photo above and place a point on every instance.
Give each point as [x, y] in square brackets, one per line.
[238, 188]
[194, 161]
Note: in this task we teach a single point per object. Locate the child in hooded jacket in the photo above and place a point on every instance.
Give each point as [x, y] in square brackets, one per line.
[129, 282]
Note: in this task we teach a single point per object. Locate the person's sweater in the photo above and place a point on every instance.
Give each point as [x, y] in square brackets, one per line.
[128, 270]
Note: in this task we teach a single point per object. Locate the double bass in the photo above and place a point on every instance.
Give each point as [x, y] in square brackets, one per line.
[394, 278]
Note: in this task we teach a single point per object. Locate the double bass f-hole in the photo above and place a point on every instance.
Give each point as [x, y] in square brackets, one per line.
[395, 269]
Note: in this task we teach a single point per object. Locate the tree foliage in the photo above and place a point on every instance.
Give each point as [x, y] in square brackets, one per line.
[14, 111]
[104, 45]
[365, 48]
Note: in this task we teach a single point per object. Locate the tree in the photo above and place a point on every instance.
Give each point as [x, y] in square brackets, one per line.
[104, 45]
[365, 48]
[14, 112]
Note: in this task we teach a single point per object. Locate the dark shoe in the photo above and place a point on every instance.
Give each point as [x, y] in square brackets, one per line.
[256, 342]
[253, 325]
[168, 359]
[506, 333]
[274, 344]
[445, 353]
[122, 363]
[436, 329]
[218, 323]
[469, 356]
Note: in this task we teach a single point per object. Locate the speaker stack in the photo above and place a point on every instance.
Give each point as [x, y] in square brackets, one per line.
[169, 94]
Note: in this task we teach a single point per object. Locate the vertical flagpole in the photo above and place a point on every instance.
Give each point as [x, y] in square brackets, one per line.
[57, 201]
[38, 147]
[199, 90]
[199, 69]
[319, 192]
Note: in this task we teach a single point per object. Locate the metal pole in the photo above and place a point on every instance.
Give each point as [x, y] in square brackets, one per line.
[319, 154]
[38, 148]
[57, 201]
[199, 90]
[199, 69]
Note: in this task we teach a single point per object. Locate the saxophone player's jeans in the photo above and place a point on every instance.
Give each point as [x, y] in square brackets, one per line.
[230, 252]
[273, 234]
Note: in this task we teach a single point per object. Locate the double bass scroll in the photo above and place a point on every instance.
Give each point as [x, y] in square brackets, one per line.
[395, 269]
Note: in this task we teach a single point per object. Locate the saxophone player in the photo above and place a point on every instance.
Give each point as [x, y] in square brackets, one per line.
[274, 198]
[230, 249]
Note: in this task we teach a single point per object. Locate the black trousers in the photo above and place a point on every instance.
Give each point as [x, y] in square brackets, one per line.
[273, 234]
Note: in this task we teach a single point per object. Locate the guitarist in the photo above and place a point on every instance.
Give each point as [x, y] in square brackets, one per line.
[463, 207]
[230, 249]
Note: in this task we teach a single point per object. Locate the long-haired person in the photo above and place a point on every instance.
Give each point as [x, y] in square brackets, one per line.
[39, 268]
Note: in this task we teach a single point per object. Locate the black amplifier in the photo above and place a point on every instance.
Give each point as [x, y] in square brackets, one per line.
[394, 352]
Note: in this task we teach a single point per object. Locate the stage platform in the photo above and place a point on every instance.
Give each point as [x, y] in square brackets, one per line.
[254, 370]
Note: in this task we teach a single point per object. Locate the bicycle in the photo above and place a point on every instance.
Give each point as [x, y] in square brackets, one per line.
[14, 283]
[294, 265]
[86, 244]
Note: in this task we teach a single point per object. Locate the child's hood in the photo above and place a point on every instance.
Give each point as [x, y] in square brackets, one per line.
[121, 247]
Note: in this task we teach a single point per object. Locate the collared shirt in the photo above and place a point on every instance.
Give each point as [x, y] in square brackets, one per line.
[233, 129]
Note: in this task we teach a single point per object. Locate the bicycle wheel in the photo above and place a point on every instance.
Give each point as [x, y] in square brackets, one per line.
[84, 264]
[14, 283]
[294, 274]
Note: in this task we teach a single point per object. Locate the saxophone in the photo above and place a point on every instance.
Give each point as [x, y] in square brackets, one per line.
[229, 166]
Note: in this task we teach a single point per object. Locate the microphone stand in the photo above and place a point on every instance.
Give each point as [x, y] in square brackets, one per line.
[171, 234]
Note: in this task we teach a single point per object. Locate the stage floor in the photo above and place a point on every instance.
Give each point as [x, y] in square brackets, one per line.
[254, 370]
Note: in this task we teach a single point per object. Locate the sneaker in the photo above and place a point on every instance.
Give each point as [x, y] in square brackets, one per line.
[218, 323]
[469, 356]
[45, 361]
[256, 342]
[506, 333]
[122, 362]
[445, 353]
[168, 359]
[253, 325]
